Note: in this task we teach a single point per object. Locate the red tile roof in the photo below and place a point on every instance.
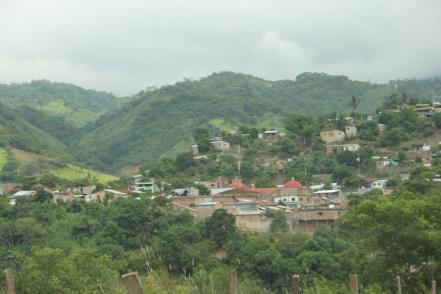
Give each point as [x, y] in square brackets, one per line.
[293, 184]
[237, 184]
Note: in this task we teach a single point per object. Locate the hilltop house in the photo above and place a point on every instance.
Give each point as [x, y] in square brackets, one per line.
[63, 196]
[332, 136]
[218, 183]
[20, 195]
[220, 145]
[308, 218]
[7, 188]
[144, 187]
[421, 147]
[351, 131]
[270, 134]
[379, 184]
[195, 149]
[86, 190]
[340, 148]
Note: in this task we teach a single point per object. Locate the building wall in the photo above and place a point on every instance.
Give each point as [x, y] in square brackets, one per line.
[191, 201]
[332, 136]
[351, 131]
[8, 188]
[253, 223]
[221, 145]
[307, 221]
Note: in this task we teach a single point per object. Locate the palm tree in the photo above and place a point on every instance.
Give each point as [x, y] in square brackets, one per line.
[355, 101]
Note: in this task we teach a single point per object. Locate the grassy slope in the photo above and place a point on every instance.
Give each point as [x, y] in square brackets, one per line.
[69, 172]
[3, 157]
[18, 133]
[72, 172]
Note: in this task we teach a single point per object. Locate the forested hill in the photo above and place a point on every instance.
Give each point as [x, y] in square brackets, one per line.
[161, 121]
[77, 106]
[108, 133]
[15, 132]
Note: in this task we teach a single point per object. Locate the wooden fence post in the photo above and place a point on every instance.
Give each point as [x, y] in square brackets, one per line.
[232, 282]
[353, 283]
[433, 291]
[398, 279]
[10, 284]
[133, 283]
[296, 284]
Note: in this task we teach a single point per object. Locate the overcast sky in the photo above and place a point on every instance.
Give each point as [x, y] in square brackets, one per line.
[124, 46]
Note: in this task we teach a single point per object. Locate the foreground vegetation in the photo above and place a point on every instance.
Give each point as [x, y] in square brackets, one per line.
[83, 247]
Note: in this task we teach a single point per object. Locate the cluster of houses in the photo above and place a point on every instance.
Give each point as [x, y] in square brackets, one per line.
[303, 207]
[219, 144]
[137, 185]
[13, 192]
[426, 110]
[332, 136]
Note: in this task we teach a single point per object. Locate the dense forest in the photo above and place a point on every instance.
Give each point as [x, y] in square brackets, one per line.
[82, 247]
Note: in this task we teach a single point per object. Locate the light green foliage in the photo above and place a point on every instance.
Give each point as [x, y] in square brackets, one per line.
[323, 286]
[3, 157]
[408, 234]
[48, 271]
[72, 173]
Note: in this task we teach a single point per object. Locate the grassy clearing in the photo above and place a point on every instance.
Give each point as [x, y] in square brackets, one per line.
[271, 121]
[25, 157]
[72, 172]
[3, 157]
[222, 125]
[78, 117]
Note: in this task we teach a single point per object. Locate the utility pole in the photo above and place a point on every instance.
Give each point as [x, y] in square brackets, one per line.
[239, 157]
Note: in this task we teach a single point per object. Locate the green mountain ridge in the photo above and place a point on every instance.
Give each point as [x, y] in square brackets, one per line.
[161, 121]
[17, 132]
[107, 133]
[76, 105]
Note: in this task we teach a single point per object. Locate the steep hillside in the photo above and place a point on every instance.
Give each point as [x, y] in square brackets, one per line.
[26, 150]
[76, 105]
[17, 132]
[161, 121]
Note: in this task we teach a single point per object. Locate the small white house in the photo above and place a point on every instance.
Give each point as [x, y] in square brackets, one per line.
[270, 134]
[144, 187]
[379, 184]
[351, 147]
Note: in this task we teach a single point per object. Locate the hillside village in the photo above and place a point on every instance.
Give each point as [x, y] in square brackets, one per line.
[281, 193]
[304, 175]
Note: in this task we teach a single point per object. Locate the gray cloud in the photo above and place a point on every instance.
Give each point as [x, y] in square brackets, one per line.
[124, 46]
